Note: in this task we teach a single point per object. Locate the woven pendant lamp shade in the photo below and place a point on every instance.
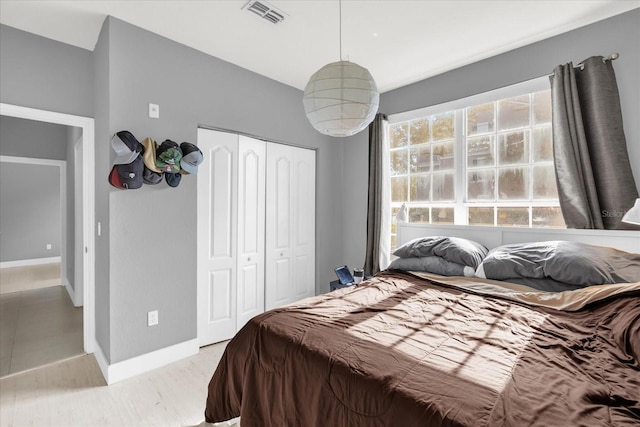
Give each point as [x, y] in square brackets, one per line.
[341, 99]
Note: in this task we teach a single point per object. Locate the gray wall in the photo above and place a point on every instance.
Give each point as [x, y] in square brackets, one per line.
[102, 152]
[34, 139]
[617, 34]
[41, 73]
[152, 231]
[29, 138]
[29, 211]
[72, 136]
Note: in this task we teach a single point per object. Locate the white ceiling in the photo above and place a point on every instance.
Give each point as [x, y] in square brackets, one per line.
[400, 42]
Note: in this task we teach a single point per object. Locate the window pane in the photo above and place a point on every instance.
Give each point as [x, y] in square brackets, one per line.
[513, 148]
[399, 189]
[420, 188]
[443, 156]
[542, 107]
[442, 216]
[481, 216]
[394, 212]
[547, 217]
[542, 145]
[419, 215]
[480, 151]
[398, 159]
[420, 131]
[513, 217]
[544, 182]
[420, 158]
[481, 185]
[480, 119]
[394, 243]
[398, 135]
[444, 126]
[443, 187]
[513, 112]
[513, 184]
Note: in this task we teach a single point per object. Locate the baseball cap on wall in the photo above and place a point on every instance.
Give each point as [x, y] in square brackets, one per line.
[191, 157]
[127, 176]
[149, 154]
[173, 179]
[168, 157]
[126, 146]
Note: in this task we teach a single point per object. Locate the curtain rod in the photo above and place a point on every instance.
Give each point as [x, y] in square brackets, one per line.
[612, 57]
[580, 65]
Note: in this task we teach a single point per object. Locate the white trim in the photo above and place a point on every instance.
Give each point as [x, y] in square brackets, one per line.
[75, 299]
[535, 85]
[27, 262]
[88, 135]
[492, 237]
[140, 364]
[33, 161]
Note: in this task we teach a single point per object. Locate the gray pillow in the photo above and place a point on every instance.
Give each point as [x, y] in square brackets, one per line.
[567, 262]
[453, 249]
[432, 264]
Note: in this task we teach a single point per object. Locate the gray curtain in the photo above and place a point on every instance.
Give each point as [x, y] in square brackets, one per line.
[593, 173]
[374, 204]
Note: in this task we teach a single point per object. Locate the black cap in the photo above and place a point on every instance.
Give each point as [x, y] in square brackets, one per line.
[127, 176]
[173, 179]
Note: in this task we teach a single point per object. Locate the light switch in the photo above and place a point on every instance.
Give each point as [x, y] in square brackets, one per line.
[154, 111]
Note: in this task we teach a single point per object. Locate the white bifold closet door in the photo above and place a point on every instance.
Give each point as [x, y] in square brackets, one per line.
[290, 232]
[256, 230]
[231, 230]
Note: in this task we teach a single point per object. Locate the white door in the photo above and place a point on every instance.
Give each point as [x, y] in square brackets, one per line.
[290, 226]
[251, 220]
[217, 231]
[304, 239]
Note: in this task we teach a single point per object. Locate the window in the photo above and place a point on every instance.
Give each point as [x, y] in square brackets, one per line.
[485, 160]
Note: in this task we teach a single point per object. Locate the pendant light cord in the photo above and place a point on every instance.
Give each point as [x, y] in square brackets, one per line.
[340, 32]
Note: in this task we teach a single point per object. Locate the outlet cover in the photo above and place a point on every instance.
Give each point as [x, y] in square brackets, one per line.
[48, 246]
[152, 318]
[154, 111]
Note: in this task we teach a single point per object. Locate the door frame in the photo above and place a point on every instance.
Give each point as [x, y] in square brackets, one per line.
[87, 124]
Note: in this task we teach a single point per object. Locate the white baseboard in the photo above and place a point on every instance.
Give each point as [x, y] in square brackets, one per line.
[140, 364]
[26, 262]
[72, 293]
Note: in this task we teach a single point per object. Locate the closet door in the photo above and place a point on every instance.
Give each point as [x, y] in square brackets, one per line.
[251, 228]
[290, 227]
[304, 217]
[217, 231]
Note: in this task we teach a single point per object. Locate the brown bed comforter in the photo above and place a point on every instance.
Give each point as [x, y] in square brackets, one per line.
[399, 350]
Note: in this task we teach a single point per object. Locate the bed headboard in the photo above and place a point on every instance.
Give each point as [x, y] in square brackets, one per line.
[491, 237]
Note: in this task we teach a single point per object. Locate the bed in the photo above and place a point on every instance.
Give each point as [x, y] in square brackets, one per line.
[416, 348]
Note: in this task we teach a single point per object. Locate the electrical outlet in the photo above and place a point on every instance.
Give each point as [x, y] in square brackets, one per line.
[48, 246]
[152, 318]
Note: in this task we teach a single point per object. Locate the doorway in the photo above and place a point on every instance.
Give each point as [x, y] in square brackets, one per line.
[84, 148]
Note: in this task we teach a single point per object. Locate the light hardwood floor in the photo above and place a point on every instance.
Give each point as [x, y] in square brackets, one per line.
[74, 393]
[38, 327]
[15, 279]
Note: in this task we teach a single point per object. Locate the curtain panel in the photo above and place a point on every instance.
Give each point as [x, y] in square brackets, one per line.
[379, 199]
[593, 173]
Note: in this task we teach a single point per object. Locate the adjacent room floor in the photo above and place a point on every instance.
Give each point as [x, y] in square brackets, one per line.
[74, 393]
[37, 326]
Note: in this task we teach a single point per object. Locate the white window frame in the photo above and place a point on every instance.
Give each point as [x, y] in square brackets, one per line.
[460, 205]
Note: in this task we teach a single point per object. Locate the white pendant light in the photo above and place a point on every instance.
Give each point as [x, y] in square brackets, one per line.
[341, 98]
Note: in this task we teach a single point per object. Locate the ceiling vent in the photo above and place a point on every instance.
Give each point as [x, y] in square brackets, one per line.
[265, 10]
